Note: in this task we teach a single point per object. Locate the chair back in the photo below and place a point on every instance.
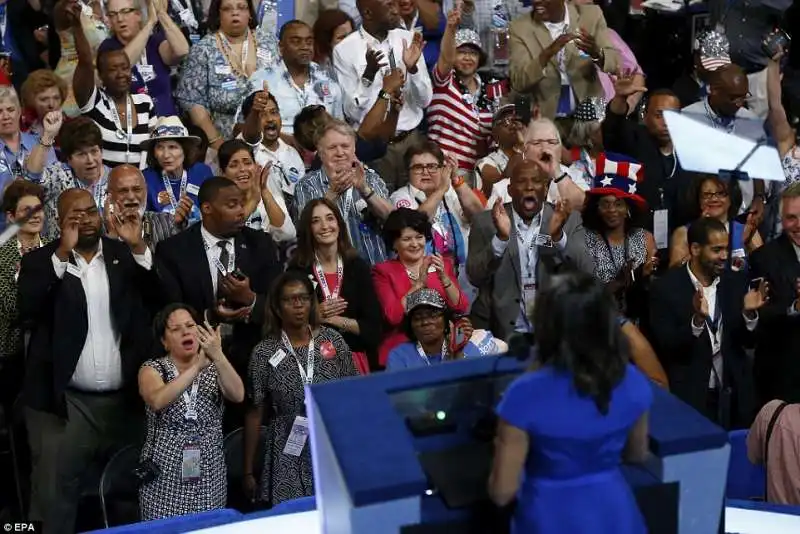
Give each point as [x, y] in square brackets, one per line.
[119, 488]
[234, 461]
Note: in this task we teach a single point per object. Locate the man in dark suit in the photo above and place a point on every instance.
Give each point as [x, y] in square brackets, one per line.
[17, 24]
[81, 298]
[517, 247]
[777, 365]
[222, 267]
[702, 318]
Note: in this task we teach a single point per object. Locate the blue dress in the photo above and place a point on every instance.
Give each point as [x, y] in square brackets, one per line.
[195, 176]
[572, 482]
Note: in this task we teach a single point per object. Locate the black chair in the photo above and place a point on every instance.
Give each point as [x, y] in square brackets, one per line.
[119, 488]
[234, 461]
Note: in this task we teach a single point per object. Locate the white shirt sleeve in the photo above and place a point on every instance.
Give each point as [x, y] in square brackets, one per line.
[60, 267]
[421, 90]
[144, 260]
[287, 231]
[354, 96]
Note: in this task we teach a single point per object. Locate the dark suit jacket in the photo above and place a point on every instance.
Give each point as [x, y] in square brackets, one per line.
[499, 280]
[55, 312]
[777, 360]
[362, 305]
[688, 359]
[183, 269]
[22, 20]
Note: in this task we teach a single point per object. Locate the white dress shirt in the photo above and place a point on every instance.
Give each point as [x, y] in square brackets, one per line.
[528, 261]
[213, 250]
[99, 366]
[349, 59]
[710, 294]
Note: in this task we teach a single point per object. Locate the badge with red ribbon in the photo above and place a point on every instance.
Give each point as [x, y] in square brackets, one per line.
[327, 350]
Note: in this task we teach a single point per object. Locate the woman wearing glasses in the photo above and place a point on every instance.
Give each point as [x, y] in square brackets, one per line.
[297, 351]
[718, 199]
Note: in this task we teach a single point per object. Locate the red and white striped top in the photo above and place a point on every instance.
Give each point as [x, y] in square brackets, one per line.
[458, 127]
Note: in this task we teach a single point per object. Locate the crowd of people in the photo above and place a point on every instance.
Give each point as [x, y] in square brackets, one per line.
[213, 210]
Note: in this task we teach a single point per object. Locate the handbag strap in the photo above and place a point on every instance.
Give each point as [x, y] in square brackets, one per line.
[770, 428]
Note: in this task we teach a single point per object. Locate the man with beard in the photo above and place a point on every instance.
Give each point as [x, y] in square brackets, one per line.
[124, 119]
[82, 297]
[222, 268]
[554, 54]
[702, 318]
[380, 46]
[127, 193]
[517, 247]
[295, 80]
[460, 115]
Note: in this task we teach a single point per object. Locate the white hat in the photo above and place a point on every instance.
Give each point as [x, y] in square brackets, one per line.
[168, 128]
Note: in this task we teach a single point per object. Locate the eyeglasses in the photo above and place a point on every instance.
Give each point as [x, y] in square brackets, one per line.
[297, 299]
[425, 316]
[714, 195]
[420, 168]
[121, 13]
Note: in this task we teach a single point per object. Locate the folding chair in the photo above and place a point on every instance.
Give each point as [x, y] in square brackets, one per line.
[234, 460]
[119, 487]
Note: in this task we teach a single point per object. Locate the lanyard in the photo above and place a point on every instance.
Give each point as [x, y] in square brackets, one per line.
[191, 401]
[713, 324]
[217, 263]
[729, 124]
[18, 167]
[528, 241]
[126, 135]
[674, 163]
[306, 374]
[171, 193]
[327, 293]
[185, 14]
[611, 254]
[425, 356]
[245, 50]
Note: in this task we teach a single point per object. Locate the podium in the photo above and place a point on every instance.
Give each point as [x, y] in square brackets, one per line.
[373, 474]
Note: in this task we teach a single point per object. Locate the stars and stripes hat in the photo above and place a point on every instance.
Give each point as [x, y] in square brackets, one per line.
[618, 176]
[592, 108]
[714, 49]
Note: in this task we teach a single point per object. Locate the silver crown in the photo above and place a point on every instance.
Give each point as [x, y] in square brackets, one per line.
[424, 297]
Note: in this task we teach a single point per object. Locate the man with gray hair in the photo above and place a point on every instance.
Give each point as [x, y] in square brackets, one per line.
[776, 367]
[542, 143]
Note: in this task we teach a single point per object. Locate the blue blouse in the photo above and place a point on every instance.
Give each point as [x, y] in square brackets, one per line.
[195, 176]
[405, 356]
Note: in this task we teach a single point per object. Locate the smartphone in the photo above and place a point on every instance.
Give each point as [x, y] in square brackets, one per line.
[775, 41]
[522, 109]
[755, 283]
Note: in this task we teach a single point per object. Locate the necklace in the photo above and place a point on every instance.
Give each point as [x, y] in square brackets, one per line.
[238, 65]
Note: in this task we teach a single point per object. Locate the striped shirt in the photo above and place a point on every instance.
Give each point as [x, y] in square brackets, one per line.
[101, 109]
[459, 127]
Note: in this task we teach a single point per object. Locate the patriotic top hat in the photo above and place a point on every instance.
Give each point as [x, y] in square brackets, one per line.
[618, 176]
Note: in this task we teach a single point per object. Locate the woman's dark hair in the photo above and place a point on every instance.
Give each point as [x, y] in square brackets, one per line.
[308, 124]
[695, 190]
[409, 331]
[403, 218]
[161, 318]
[577, 330]
[304, 254]
[594, 222]
[18, 189]
[423, 147]
[189, 154]
[78, 134]
[327, 22]
[212, 21]
[273, 325]
[229, 148]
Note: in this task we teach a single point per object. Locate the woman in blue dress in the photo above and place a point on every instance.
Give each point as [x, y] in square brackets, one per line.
[566, 426]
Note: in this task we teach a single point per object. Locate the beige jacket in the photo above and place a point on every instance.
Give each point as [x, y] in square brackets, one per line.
[528, 38]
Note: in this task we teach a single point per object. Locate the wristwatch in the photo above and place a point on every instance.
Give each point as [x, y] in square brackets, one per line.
[384, 95]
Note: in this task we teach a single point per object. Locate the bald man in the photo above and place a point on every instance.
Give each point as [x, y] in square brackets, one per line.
[724, 109]
[127, 192]
[517, 246]
[82, 297]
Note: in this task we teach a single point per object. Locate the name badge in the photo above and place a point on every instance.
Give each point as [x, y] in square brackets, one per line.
[230, 85]
[190, 463]
[192, 189]
[194, 38]
[74, 270]
[223, 69]
[528, 293]
[277, 358]
[186, 16]
[661, 228]
[297, 437]
[543, 240]
[147, 72]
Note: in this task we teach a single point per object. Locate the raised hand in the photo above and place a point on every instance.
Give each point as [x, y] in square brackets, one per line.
[210, 341]
[586, 43]
[393, 81]
[561, 212]
[263, 181]
[129, 229]
[501, 220]
[700, 304]
[626, 84]
[70, 228]
[756, 297]
[236, 290]
[183, 209]
[261, 99]
[375, 62]
[454, 16]
[52, 123]
[413, 51]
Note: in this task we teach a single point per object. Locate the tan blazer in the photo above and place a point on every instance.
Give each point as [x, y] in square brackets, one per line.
[528, 38]
[307, 10]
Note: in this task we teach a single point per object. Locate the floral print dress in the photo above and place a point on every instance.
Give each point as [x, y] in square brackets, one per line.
[209, 81]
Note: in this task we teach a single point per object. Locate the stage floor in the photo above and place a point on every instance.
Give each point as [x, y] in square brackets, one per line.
[737, 521]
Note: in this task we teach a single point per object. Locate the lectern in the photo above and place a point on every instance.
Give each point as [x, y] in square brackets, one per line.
[396, 452]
